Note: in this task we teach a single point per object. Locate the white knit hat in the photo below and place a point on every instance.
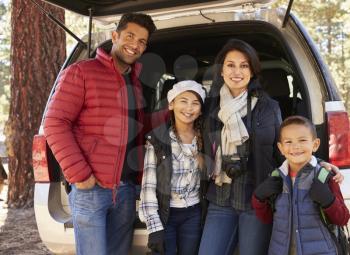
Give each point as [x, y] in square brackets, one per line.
[188, 85]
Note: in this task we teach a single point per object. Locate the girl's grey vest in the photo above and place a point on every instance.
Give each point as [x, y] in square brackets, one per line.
[298, 214]
[160, 140]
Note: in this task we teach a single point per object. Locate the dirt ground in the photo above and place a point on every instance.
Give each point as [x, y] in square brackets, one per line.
[18, 231]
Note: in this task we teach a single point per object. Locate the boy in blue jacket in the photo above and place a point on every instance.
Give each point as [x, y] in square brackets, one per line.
[298, 194]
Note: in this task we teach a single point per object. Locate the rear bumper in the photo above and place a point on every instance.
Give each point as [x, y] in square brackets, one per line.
[53, 233]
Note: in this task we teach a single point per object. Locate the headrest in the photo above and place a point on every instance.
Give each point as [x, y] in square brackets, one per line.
[275, 82]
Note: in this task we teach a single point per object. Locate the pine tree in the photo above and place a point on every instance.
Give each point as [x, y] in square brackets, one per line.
[327, 21]
[4, 63]
[37, 53]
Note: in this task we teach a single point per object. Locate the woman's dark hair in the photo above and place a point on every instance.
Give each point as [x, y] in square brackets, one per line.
[140, 19]
[248, 51]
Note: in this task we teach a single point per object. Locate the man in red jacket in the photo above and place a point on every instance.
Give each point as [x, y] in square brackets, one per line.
[94, 126]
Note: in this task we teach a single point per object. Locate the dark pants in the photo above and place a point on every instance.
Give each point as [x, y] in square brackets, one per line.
[183, 231]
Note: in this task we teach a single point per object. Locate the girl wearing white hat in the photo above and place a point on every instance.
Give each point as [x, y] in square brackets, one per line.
[170, 194]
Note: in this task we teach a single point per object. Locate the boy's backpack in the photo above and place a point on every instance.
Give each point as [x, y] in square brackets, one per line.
[341, 240]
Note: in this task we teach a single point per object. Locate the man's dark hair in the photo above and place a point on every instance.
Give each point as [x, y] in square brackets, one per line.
[140, 19]
[298, 120]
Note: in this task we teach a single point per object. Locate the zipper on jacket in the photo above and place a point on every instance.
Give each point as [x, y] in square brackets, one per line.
[115, 185]
[120, 78]
[295, 213]
[290, 187]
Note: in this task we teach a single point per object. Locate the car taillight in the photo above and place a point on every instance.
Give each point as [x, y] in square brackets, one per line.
[339, 144]
[40, 162]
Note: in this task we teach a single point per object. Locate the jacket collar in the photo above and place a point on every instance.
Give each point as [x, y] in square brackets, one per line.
[107, 60]
[285, 167]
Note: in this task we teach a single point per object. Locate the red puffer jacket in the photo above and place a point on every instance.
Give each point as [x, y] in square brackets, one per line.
[86, 122]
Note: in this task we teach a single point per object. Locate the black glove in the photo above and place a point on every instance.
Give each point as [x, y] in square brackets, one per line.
[271, 186]
[320, 193]
[156, 242]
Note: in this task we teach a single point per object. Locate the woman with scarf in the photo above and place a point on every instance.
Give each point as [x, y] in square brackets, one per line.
[242, 124]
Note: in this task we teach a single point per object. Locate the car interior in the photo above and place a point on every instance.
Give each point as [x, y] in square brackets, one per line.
[189, 53]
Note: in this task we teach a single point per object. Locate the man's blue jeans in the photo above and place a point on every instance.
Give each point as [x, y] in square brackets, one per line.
[100, 227]
[226, 228]
[183, 231]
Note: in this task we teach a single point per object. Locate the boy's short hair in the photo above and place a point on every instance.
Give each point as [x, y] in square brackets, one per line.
[140, 19]
[298, 120]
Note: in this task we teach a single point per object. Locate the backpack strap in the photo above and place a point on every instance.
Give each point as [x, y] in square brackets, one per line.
[337, 233]
[323, 175]
[275, 173]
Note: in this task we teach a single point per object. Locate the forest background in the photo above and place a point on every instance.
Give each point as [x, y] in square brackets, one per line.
[327, 21]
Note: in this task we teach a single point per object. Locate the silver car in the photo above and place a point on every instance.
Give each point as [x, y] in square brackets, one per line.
[190, 33]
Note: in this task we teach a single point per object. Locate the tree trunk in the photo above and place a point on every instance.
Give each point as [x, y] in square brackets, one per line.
[37, 53]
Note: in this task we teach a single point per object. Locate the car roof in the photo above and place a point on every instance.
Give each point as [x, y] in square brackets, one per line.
[117, 7]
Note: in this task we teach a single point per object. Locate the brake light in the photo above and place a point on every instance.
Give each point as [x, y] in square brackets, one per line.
[40, 163]
[339, 144]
